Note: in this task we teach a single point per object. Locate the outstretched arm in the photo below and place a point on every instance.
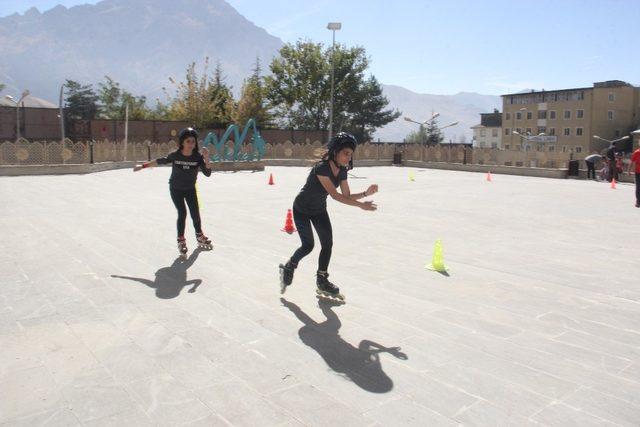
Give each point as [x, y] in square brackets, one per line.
[346, 191]
[342, 198]
[151, 164]
[205, 163]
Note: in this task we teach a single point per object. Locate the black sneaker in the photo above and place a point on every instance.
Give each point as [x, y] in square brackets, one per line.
[286, 276]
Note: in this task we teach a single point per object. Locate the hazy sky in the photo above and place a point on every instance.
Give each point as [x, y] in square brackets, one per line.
[449, 46]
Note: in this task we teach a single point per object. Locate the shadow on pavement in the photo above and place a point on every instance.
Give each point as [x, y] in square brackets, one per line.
[361, 365]
[169, 281]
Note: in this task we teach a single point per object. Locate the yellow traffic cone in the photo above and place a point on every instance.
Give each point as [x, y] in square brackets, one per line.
[437, 262]
[411, 176]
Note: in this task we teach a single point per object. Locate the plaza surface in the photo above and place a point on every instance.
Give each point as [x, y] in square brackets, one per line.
[536, 323]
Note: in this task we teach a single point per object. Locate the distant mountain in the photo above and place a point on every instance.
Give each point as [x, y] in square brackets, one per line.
[464, 107]
[139, 43]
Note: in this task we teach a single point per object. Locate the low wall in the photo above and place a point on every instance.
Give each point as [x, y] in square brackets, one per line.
[494, 169]
[76, 169]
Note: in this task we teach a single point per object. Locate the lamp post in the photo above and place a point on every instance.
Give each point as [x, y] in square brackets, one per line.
[11, 98]
[126, 129]
[333, 26]
[433, 117]
[615, 140]
[61, 104]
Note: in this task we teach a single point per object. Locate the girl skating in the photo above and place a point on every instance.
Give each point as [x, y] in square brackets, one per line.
[186, 161]
[310, 208]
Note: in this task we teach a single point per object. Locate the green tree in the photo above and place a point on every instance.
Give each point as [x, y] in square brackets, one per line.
[367, 110]
[253, 103]
[114, 101]
[434, 134]
[2, 86]
[205, 101]
[299, 89]
[221, 99]
[81, 101]
[417, 137]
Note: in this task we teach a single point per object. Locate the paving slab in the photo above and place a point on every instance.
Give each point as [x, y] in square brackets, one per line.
[537, 320]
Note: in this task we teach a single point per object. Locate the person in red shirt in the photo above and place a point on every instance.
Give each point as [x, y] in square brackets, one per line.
[635, 163]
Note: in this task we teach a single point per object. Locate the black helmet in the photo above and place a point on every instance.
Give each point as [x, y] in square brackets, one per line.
[340, 141]
[186, 133]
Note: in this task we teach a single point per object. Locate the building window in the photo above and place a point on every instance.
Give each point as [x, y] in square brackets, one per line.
[494, 133]
[507, 146]
[567, 131]
[552, 131]
[567, 114]
[529, 115]
[519, 131]
[552, 148]
[610, 114]
[581, 95]
[483, 132]
[552, 115]
[579, 149]
[494, 145]
[528, 131]
[542, 114]
[579, 114]
[612, 97]
[616, 133]
[507, 131]
[564, 148]
[542, 129]
[508, 116]
[578, 131]
[518, 116]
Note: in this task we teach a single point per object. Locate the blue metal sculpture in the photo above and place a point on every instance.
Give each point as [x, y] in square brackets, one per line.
[224, 153]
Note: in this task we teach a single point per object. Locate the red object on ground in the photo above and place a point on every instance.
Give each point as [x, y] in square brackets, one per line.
[288, 223]
[489, 176]
[613, 183]
[271, 179]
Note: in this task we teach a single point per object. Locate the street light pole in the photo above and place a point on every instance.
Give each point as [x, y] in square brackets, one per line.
[333, 26]
[126, 129]
[61, 102]
[10, 98]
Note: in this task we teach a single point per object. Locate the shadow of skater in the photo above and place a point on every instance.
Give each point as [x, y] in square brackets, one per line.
[361, 365]
[170, 280]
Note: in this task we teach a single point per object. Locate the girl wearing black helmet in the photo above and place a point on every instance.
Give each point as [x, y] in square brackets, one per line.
[310, 208]
[186, 161]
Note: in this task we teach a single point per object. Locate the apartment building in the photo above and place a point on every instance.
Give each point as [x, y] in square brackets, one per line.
[575, 121]
[488, 134]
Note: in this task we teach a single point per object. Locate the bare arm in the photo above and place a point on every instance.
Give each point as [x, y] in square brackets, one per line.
[342, 198]
[150, 164]
[344, 189]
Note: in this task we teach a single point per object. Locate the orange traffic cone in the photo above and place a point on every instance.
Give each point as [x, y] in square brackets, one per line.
[288, 223]
[613, 183]
[489, 176]
[271, 179]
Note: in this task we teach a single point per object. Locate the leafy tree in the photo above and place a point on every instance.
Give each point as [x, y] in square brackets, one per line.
[417, 137]
[114, 101]
[81, 101]
[203, 100]
[253, 103]
[434, 134]
[299, 89]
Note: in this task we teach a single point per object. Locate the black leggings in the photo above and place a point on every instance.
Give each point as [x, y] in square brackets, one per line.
[322, 224]
[179, 197]
[637, 187]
